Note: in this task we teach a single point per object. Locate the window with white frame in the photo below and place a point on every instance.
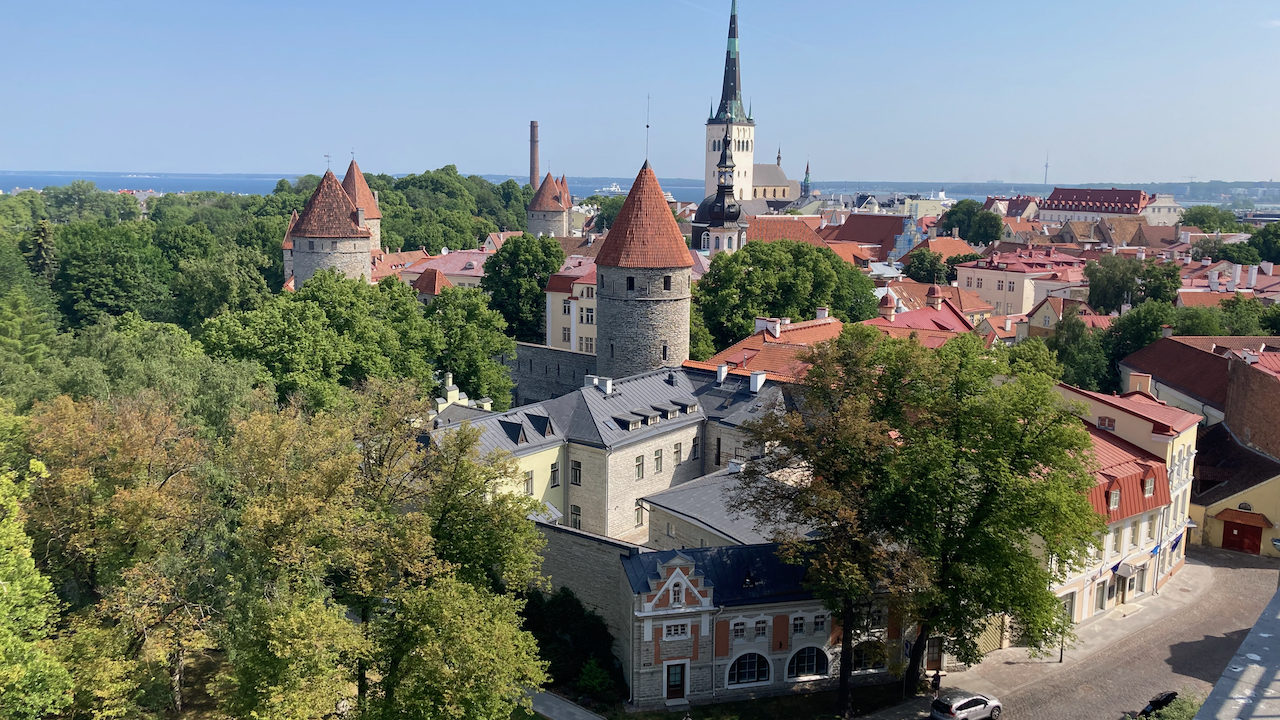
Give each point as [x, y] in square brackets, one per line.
[657, 461]
[639, 467]
[575, 517]
[670, 531]
[575, 472]
[1116, 539]
[761, 628]
[555, 474]
[1113, 499]
[807, 662]
[676, 454]
[1149, 486]
[739, 630]
[675, 630]
[819, 623]
[677, 594]
[566, 335]
[797, 626]
[1133, 533]
[565, 306]
[528, 482]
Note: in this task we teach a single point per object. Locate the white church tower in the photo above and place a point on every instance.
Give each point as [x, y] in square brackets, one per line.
[741, 129]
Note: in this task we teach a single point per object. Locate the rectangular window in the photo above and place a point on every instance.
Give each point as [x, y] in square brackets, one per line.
[1115, 541]
[639, 516]
[1151, 527]
[671, 532]
[657, 461]
[528, 482]
[979, 283]
[740, 454]
[555, 474]
[333, 245]
[664, 351]
[760, 628]
[819, 623]
[575, 517]
[1010, 286]
[575, 472]
[565, 305]
[1107, 423]
[999, 285]
[677, 594]
[1113, 499]
[586, 344]
[566, 335]
[639, 467]
[693, 449]
[590, 292]
[666, 282]
[1133, 533]
[739, 630]
[675, 454]
[311, 244]
[968, 282]
[1149, 486]
[717, 452]
[797, 626]
[676, 631]
[631, 284]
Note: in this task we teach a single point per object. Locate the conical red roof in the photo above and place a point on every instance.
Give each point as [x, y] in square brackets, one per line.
[329, 213]
[645, 234]
[359, 192]
[550, 197]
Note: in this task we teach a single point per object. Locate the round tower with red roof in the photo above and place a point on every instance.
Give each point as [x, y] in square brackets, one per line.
[643, 282]
[330, 233]
[548, 212]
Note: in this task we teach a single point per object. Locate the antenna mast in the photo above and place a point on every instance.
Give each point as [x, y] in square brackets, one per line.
[1046, 168]
[646, 125]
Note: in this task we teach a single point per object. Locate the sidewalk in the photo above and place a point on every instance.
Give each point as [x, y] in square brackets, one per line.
[1006, 671]
[557, 708]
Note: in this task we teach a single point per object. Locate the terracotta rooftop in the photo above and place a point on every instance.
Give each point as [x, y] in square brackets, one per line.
[948, 318]
[1123, 466]
[1094, 200]
[386, 264]
[329, 213]
[645, 234]
[550, 197]
[868, 229]
[576, 270]
[468, 263]
[778, 355]
[766, 228]
[359, 192]
[1199, 298]
[944, 245]
[914, 295]
[431, 282]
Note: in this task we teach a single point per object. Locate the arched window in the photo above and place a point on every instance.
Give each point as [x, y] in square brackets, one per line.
[677, 594]
[750, 668]
[868, 655]
[807, 662]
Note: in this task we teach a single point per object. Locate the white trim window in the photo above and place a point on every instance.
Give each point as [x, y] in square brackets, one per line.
[808, 663]
[738, 630]
[1113, 499]
[749, 668]
[675, 631]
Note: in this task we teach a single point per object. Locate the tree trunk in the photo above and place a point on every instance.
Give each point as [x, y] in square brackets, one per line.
[846, 658]
[362, 666]
[916, 661]
[177, 659]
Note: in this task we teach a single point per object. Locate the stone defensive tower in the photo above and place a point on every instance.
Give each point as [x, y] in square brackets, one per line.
[731, 121]
[548, 212]
[643, 283]
[330, 232]
[367, 201]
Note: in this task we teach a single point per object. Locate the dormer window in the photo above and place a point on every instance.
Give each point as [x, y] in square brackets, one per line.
[1149, 486]
[677, 594]
[1107, 423]
[1113, 499]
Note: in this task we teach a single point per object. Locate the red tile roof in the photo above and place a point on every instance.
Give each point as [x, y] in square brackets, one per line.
[1100, 201]
[851, 252]
[431, 282]
[645, 234]
[386, 264]
[1123, 466]
[358, 190]
[1182, 366]
[868, 229]
[1165, 419]
[574, 272]
[947, 317]
[329, 213]
[455, 263]
[1198, 298]
[777, 356]
[290, 285]
[1244, 517]
[914, 295]
[550, 197]
[945, 245]
[782, 227]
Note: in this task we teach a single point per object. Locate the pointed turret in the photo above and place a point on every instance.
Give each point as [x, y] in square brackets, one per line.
[359, 192]
[645, 234]
[806, 187]
[548, 212]
[328, 235]
[731, 90]
[329, 213]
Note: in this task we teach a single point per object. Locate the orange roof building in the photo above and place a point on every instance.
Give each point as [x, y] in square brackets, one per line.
[548, 212]
[330, 233]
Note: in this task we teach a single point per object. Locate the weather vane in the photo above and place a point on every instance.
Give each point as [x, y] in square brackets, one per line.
[327, 163]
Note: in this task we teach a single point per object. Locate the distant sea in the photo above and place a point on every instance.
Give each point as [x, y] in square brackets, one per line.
[263, 183]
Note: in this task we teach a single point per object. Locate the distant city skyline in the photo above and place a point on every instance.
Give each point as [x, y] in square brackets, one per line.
[928, 92]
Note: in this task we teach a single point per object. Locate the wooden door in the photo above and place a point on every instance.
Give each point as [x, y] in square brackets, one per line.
[675, 681]
[1243, 538]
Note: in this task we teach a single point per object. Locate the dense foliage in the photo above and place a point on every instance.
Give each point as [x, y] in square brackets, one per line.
[516, 279]
[778, 279]
[974, 225]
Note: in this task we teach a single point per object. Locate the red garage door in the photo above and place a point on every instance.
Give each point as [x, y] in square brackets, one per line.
[1241, 537]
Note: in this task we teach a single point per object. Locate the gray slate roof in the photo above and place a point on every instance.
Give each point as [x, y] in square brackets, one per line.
[706, 501]
[740, 574]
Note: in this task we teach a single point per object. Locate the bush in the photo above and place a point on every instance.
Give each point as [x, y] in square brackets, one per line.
[575, 642]
[595, 681]
[1184, 707]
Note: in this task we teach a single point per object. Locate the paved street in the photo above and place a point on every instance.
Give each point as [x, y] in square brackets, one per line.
[1178, 640]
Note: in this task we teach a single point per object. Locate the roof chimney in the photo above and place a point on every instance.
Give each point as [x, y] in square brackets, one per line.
[933, 298]
[1206, 261]
[360, 216]
[822, 312]
[722, 372]
[1142, 253]
[757, 380]
[1166, 331]
[1213, 281]
[772, 325]
[1140, 382]
[955, 232]
[590, 380]
[1008, 324]
[1235, 274]
[606, 385]
[887, 307]
[1266, 267]
[1253, 276]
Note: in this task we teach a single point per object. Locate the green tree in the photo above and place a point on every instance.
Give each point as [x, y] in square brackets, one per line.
[109, 271]
[33, 682]
[926, 266]
[1211, 218]
[1131, 332]
[913, 517]
[1081, 351]
[1266, 240]
[516, 279]
[43, 256]
[955, 260]
[1159, 281]
[1198, 321]
[474, 340]
[975, 225]
[609, 207]
[701, 345]
[1243, 315]
[779, 279]
[204, 287]
[1116, 280]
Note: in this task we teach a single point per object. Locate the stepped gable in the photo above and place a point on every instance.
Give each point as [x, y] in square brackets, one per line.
[359, 192]
[329, 213]
[551, 196]
[645, 234]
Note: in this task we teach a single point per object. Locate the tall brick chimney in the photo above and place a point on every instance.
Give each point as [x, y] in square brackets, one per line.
[533, 155]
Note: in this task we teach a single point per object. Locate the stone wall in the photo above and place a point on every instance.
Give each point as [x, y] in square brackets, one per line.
[669, 531]
[349, 256]
[634, 325]
[1252, 397]
[552, 224]
[625, 489]
[541, 372]
[591, 566]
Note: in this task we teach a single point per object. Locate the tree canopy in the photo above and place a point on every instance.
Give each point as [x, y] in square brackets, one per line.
[516, 279]
[975, 225]
[1211, 218]
[778, 279]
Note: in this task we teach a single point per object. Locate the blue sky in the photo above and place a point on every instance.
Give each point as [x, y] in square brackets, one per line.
[944, 91]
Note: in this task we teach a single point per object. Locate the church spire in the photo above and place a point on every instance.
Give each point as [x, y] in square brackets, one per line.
[731, 91]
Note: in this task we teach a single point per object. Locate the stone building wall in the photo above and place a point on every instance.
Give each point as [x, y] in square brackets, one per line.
[625, 489]
[541, 372]
[553, 224]
[349, 256]
[635, 325]
[1253, 395]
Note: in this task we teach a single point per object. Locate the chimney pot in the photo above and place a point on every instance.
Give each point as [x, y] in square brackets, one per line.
[722, 372]
[757, 380]
[1166, 331]
[822, 313]
[606, 385]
